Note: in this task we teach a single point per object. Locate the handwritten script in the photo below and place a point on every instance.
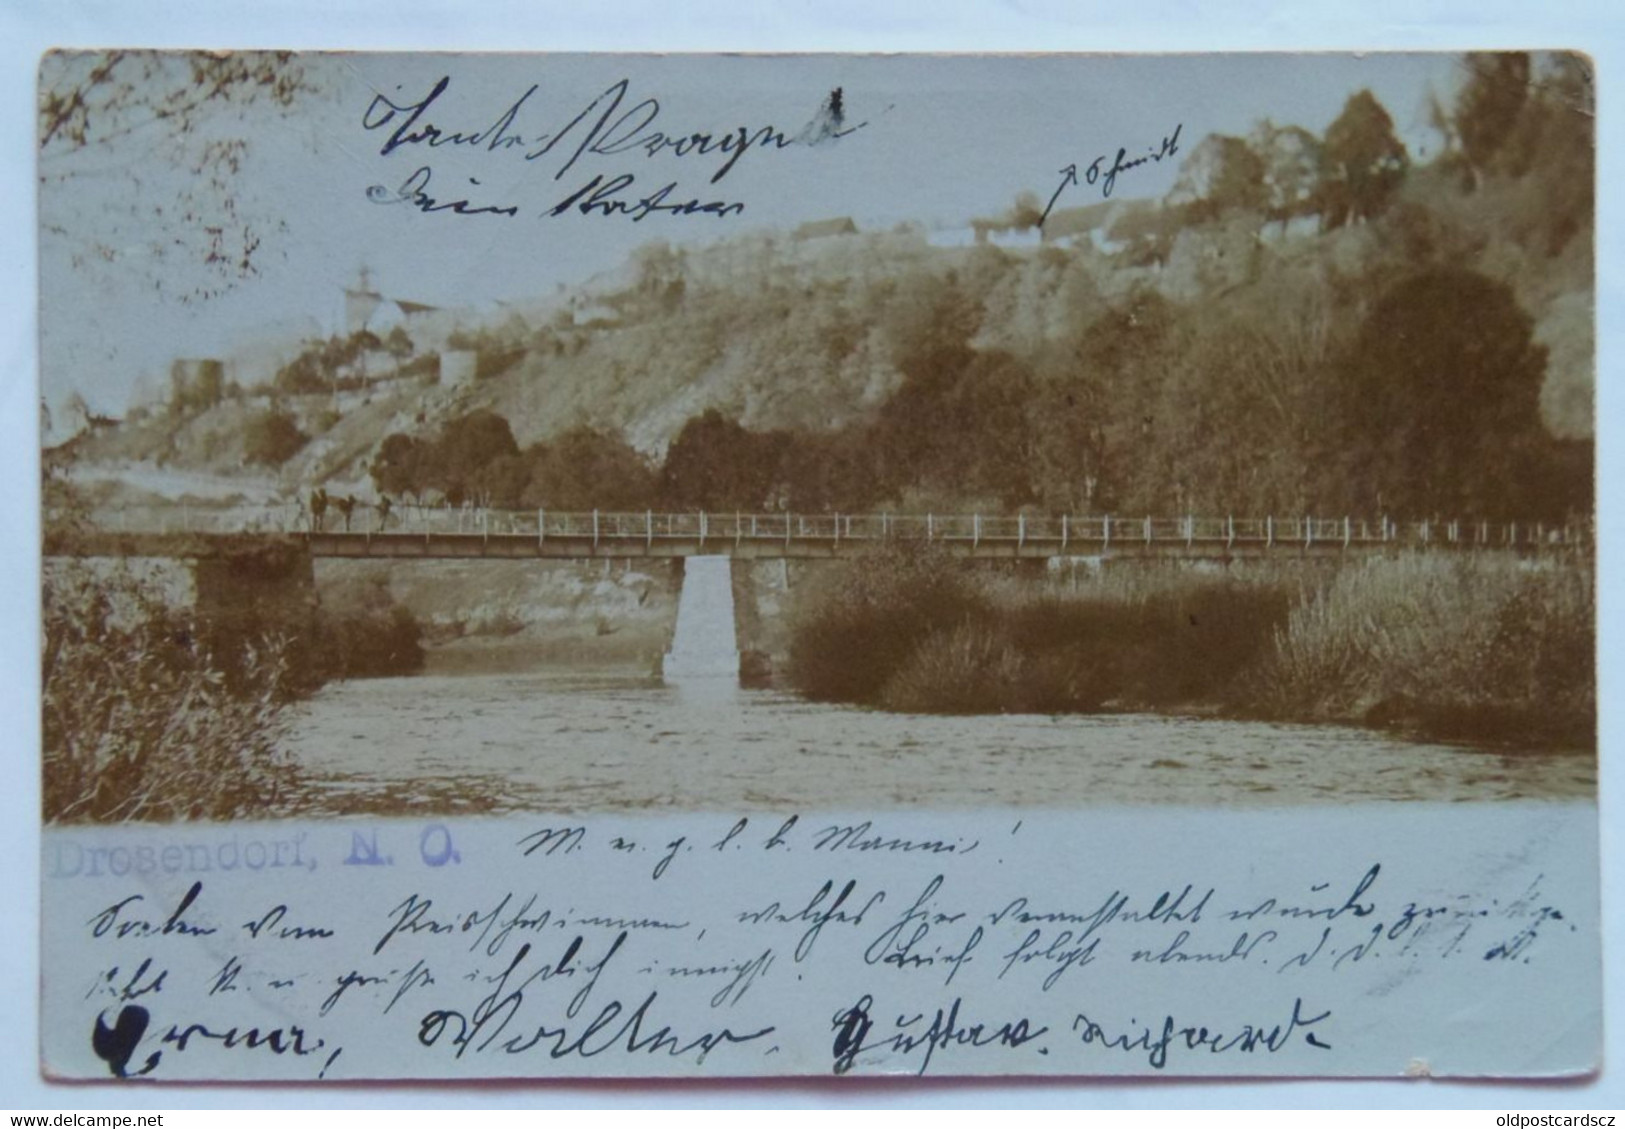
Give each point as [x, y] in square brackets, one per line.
[802, 944]
[1103, 171]
[576, 141]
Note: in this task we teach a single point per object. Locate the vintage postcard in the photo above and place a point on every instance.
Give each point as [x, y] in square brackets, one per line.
[714, 566]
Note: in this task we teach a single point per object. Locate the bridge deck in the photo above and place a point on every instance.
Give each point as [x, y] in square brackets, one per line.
[474, 534]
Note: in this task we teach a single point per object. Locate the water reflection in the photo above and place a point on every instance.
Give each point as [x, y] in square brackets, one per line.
[615, 743]
[704, 651]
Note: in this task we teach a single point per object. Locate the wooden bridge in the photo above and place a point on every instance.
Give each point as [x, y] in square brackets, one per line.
[471, 533]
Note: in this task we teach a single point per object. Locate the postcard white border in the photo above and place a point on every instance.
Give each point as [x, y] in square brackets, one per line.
[27, 29]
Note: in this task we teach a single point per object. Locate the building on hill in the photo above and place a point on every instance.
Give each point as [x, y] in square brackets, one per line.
[196, 383]
[253, 360]
[459, 367]
[366, 308]
[951, 237]
[1071, 227]
[1289, 230]
[1014, 238]
[823, 229]
[72, 418]
[1212, 257]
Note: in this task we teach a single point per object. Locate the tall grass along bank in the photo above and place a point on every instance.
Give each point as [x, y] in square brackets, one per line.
[1483, 648]
[154, 711]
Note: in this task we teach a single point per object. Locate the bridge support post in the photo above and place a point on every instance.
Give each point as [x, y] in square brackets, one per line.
[702, 529]
[1269, 532]
[1229, 532]
[541, 528]
[1348, 531]
[930, 527]
[975, 530]
[648, 530]
[595, 531]
[1106, 533]
[1308, 532]
[1063, 532]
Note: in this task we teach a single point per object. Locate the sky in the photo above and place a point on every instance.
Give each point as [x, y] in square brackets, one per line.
[932, 140]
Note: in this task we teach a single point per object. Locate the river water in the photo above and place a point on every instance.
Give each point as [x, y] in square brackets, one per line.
[573, 742]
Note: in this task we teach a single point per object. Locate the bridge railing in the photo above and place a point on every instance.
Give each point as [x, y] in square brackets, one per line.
[1061, 531]
[1084, 533]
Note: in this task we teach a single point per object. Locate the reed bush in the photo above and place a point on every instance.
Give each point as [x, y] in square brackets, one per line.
[1472, 647]
[969, 668]
[142, 720]
[1484, 648]
[853, 629]
[1163, 643]
[362, 631]
[914, 631]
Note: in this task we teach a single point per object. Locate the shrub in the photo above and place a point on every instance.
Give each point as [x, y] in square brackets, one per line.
[851, 633]
[1468, 647]
[908, 629]
[968, 668]
[362, 632]
[372, 644]
[272, 438]
[140, 718]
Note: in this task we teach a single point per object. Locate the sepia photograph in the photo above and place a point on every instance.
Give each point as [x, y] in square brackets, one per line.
[1244, 461]
[987, 565]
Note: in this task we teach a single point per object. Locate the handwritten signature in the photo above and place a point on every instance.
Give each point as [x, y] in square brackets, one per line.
[1099, 172]
[1248, 1039]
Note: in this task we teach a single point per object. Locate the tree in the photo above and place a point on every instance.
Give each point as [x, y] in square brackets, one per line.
[399, 346]
[1221, 174]
[301, 376]
[588, 469]
[715, 463]
[1290, 156]
[1438, 402]
[403, 465]
[1553, 148]
[198, 236]
[1362, 163]
[272, 438]
[465, 446]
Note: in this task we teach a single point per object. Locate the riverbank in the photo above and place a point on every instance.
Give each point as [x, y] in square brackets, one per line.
[1485, 649]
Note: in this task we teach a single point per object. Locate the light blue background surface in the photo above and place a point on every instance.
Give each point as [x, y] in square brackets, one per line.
[26, 29]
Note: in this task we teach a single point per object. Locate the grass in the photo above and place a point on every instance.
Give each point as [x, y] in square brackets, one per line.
[144, 720]
[1482, 648]
[1478, 648]
[154, 712]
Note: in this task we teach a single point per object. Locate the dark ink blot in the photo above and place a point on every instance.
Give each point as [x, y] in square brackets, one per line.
[852, 1027]
[114, 1045]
